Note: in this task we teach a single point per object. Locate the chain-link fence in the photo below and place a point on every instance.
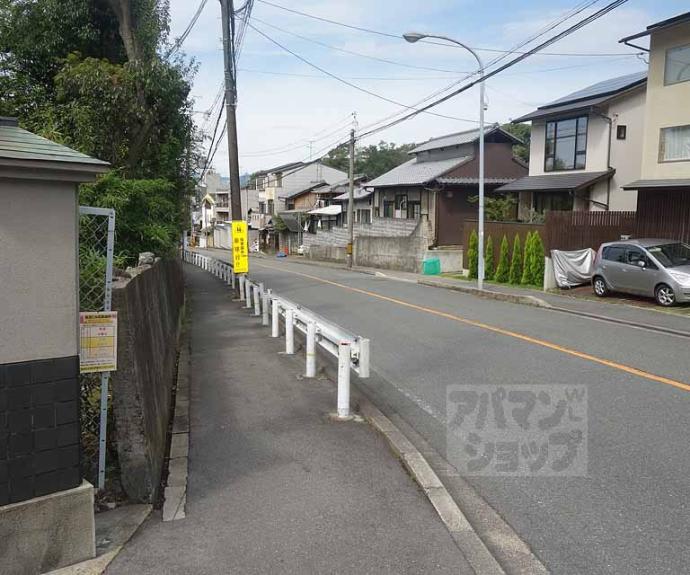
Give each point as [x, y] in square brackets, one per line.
[96, 245]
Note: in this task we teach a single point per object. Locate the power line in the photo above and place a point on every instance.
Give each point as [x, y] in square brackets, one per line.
[346, 82]
[584, 22]
[178, 43]
[321, 76]
[399, 37]
[353, 53]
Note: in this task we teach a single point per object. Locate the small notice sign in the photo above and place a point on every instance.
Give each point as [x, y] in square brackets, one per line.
[240, 247]
[98, 341]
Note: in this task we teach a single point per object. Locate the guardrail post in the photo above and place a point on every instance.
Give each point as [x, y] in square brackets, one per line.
[344, 379]
[248, 294]
[232, 278]
[242, 280]
[275, 318]
[265, 298]
[289, 331]
[257, 301]
[311, 349]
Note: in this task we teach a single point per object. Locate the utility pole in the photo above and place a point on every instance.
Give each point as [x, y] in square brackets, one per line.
[351, 202]
[227, 17]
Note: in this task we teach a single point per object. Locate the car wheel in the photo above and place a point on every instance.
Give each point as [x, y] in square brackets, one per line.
[600, 287]
[665, 295]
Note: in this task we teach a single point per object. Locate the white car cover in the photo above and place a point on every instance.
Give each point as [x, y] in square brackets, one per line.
[573, 268]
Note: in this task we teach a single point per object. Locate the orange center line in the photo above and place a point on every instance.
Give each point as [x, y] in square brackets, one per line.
[508, 333]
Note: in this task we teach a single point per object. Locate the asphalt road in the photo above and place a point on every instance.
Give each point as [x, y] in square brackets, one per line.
[628, 514]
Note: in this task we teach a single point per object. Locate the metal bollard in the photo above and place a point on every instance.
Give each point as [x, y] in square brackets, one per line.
[275, 319]
[264, 307]
[257, 301]
[229, 277]
[261, 289]
[311, 350]
[289, 332]
[344, 379]
[248, 294]
[232, 278]
[242, 280]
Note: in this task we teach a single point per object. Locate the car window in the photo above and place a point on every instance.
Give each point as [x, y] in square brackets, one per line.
[614, 253]
[671, 255]
[633, 256]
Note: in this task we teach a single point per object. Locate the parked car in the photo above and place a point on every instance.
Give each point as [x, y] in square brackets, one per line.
[646, 267]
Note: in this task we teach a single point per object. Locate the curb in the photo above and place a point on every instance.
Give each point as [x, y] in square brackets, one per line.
[175, 494]
[464, 535]
[488, 294]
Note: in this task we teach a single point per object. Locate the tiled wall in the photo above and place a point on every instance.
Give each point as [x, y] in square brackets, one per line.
[39, 428]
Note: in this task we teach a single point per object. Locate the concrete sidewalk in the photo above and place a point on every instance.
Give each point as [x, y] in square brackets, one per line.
[274, 485]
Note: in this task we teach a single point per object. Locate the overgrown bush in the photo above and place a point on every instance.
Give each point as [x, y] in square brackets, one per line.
[515, 274]
[503, 269]
[489, 265]
[473, 255]
[146, 218]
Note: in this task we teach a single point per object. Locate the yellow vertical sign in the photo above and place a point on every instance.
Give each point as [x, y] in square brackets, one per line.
[240, 247]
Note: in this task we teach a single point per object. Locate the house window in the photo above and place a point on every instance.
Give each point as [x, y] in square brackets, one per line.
[674, 144]
[551, 201]
[401, 205]
[388, 208]
[414, 210]
[566, 145]
[677, 65]
[364, 216]
[621, 132]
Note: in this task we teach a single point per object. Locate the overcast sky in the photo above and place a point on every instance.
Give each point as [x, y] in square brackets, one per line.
[284, 103]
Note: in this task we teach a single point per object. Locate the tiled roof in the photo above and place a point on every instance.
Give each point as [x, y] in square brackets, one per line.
[556, 182]
[466, 180]
[19, 144]
[358, 193]
[647, 184]
[460, 138]
[414, 172]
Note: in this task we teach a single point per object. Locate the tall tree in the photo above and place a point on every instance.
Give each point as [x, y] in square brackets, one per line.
[524, 132]
[372, 160]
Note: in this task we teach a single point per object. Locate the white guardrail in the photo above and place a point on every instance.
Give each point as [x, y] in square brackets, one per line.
[351, 351]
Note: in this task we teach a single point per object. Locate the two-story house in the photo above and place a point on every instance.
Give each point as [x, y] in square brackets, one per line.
[440, 181]
[584, 147]
[275, 185]
[663, 186]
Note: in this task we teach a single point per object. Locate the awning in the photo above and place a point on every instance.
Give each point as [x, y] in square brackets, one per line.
[657, 184]
[560, 182]
[333, 210]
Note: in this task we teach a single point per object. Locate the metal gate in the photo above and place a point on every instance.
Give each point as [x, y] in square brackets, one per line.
[96, 249]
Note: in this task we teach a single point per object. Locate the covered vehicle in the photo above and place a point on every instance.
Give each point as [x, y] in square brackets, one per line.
[655, 268]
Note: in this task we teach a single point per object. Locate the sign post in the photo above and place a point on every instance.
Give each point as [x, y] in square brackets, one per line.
[240, 247]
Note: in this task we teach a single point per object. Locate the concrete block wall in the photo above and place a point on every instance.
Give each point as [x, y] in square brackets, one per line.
[149, 310]
[383, 227]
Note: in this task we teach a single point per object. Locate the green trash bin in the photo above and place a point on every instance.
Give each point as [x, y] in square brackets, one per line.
[431, 267]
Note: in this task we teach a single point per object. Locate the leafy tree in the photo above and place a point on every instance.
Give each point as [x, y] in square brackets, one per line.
[473, 255]
[516, 262]
[91, 74]
[503, 269]
[372, 160]
[489, 266]
[526, 278]
[524, 132]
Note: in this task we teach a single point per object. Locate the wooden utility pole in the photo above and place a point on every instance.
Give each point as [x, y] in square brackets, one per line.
[351, 202]
[228, 22]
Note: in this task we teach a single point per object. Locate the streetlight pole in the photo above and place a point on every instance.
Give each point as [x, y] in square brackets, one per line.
[413, 37]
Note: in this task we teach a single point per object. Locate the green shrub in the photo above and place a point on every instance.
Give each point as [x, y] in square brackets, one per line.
[537, 261]
[473, 254]
[146, 213]
[515, 274]
[503, 269]
[489, 265]
[526, 278]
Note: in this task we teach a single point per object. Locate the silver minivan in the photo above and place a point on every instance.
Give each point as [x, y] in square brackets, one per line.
[646, 267]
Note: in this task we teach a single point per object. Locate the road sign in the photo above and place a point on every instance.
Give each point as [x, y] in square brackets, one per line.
[240, 247]
[98, 341]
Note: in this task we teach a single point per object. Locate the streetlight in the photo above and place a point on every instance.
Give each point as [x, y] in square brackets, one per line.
[413, 37]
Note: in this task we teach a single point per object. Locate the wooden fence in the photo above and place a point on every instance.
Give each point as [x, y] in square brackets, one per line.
[579, 230]
[496, 230]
